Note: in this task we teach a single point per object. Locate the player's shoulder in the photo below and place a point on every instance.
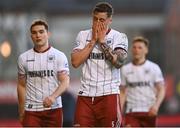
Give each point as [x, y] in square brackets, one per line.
[127, 66]
[151, 64]
[84, 32]
[57, 52]
[115, 32]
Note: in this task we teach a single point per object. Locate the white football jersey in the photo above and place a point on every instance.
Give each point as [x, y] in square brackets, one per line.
[140, 82]
[99, 77]
[41, 70]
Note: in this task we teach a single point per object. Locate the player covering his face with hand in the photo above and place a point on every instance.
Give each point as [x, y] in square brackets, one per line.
[101, 51]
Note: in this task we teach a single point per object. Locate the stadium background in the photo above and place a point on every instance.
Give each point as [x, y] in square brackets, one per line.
[158, 20]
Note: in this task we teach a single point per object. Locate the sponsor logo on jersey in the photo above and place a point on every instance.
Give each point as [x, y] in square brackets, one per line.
[30, 105]
[80, 92]
[98, 56]
[142, 83]
[41, 73]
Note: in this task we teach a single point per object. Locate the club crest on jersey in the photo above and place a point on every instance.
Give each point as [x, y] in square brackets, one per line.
[146, 71]
[51, 58]
[109, 41]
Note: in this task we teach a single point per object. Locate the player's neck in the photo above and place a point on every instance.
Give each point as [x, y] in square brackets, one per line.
[139, 61]
[41, 49]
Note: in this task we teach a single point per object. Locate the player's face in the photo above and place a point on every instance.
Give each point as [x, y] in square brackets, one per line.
[101, 17]
[39, 35]
[139, 50]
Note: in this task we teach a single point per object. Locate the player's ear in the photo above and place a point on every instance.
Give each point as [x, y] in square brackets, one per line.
[49, 33]
[147, 50]
[110, 20]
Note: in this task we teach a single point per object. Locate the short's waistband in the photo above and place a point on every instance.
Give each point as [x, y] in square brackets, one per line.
[97, 98]
[93, 97]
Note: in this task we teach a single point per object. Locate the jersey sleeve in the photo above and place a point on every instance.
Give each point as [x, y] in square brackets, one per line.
[121, 41]
[20, 65]
[123, 79]
[79, 41]
[158, 76]
[62, 63]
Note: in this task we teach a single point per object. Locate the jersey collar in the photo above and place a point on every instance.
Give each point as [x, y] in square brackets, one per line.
[108, 31]
[42, 51]
[139, 63]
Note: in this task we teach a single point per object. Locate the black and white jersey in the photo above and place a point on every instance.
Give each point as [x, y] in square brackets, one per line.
[41, 70]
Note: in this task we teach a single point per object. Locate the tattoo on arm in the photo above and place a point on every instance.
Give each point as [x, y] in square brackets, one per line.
[117, 57]
[121, 57]
[107, 51]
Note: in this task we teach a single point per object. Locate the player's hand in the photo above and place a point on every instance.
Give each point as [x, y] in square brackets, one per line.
[48, 101]
[21, 117]
[21, 114]
[94, 31]
[102, 29]
[153, 111]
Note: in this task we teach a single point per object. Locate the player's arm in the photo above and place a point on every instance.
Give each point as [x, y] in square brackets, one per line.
[117, 57]
[21, 91]
[160, 94]
[79, 56]
[63, 77]
[123, 95]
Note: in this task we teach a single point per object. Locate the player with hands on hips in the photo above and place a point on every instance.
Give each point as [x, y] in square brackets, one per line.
[142, 87]
[101, 51]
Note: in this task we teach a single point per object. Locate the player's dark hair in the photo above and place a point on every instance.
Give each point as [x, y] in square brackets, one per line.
[141, 39]
[39, 22]
[103, 7]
